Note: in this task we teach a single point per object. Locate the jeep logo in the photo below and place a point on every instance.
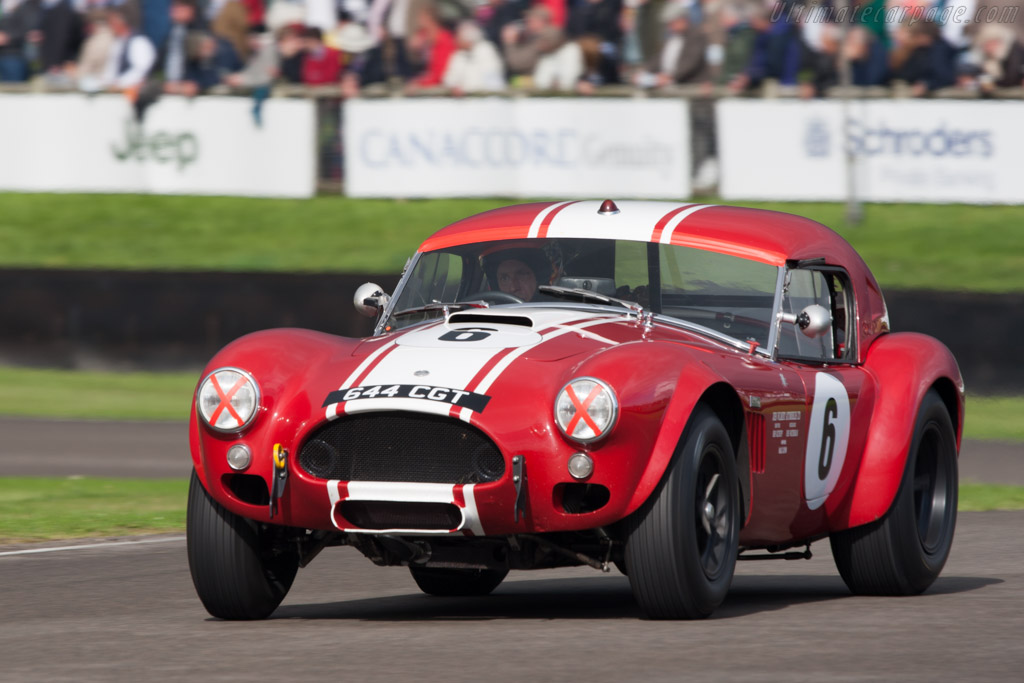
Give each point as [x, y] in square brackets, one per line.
[162, 147]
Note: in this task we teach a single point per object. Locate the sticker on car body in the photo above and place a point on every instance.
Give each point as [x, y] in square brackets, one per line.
[828, 433]
[456, 397]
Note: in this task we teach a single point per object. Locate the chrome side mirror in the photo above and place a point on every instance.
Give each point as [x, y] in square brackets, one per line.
[814, 321]
[370, 299]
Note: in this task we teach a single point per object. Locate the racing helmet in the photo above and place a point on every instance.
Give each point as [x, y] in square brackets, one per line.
[545, 268]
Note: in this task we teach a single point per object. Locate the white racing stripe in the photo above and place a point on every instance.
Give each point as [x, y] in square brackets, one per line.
[400, 491]
[408, 492]
[366, 362]
[635, 220]
[503, 364]
[453, 365]
[331, 412]
[590, 335]
[670, 228]
[333, 494]
[470, 515]
[539, 219]
[91, 546]
[455, 371]
[449, 364]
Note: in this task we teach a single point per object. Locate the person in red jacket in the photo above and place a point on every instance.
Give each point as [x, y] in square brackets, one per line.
[321, 65]
[436, 44]
[254, 11]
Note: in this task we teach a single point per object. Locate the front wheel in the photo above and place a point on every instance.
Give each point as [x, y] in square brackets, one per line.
[903, 553]
[682, 545]
[457, 582]
[235, 572]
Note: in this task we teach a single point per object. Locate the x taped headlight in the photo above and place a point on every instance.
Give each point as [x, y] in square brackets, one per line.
[586, 409]
[228, 399]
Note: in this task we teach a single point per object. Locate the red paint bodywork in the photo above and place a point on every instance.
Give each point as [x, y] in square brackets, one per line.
[658, 374]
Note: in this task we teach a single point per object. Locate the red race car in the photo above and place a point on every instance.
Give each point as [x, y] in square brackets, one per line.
[664, 388]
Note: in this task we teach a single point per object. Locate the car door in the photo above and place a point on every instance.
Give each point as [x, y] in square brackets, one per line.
[817, 339]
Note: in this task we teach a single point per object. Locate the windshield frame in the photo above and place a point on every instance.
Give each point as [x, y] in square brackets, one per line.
[389, 309]
[765, 350]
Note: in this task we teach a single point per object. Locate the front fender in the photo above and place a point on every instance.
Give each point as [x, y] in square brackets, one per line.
[285, 363]
[905, 366]
[692, 382]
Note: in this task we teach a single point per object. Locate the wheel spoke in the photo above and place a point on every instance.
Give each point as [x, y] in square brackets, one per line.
[706, 509]
[711, 487]
[722, 520]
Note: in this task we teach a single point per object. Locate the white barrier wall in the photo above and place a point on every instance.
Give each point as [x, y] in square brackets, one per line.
[906, 151]
[517, 148]
[204, 146]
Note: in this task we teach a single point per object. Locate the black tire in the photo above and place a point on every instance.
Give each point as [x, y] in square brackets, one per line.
[233, 571]
[904, 552]
[681, 553]
[457, 582]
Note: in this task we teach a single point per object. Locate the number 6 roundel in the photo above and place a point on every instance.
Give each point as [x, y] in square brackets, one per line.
[828, 432]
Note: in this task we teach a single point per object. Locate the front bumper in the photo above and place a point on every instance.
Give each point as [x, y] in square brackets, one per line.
[534, 495]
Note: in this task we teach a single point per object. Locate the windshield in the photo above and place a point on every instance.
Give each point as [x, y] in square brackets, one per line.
[727, 294]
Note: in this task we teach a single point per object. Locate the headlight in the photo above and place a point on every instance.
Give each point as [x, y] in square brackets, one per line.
[586, 409]
[228, 399]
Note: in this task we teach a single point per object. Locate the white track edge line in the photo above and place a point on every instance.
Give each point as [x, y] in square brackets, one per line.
[35, 551]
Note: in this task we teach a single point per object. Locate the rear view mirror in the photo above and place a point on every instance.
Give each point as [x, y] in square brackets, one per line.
[814, 321]
[370, 299]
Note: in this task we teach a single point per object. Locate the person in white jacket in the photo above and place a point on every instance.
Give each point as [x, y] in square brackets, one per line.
[476, 65]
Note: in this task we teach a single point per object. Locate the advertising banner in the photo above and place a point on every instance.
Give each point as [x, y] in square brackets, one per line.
[201, 146]
[904, 150]
[517, 148]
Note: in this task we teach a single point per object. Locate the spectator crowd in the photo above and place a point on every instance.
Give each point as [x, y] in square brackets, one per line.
[147, 47]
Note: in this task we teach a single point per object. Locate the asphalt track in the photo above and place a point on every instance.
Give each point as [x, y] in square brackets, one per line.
[160, 449]
[129, 613]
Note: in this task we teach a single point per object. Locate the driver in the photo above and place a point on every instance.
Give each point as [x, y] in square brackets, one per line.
[517, 278]
[518, 271]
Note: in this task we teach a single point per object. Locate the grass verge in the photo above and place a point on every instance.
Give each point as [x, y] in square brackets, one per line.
[944, 247]
[982, 497]
[996, 418]
[39, 509]
[31, 392]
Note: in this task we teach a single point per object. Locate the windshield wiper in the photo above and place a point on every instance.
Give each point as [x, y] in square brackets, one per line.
[441, 306]
[587, 295]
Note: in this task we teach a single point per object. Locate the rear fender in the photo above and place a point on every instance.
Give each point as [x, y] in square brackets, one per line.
[905, 366]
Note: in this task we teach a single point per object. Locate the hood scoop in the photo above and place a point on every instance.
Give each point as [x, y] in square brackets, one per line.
[471, 331]
[483, 318]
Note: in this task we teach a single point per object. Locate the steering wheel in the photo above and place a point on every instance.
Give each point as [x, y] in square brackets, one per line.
[494, 297]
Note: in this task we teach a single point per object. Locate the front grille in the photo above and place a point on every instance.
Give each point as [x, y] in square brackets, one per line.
[402, 447]
[397, 515]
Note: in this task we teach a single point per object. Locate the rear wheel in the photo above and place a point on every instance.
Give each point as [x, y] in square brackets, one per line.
[234, 570]
[682, 546]
[456, 582]
[904, 552]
